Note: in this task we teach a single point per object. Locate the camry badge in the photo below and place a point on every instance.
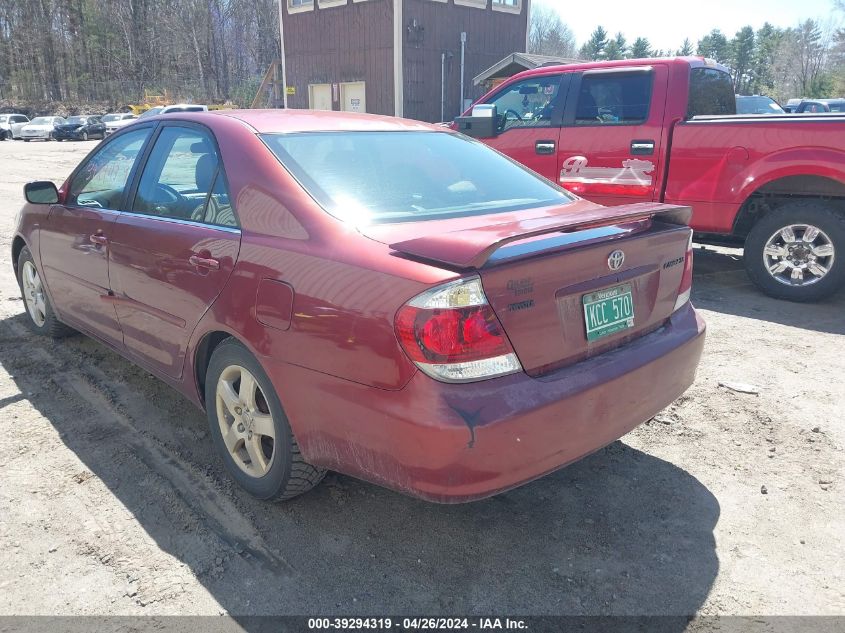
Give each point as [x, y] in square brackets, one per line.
[615, 260]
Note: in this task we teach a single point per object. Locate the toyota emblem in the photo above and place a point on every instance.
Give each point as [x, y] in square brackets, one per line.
[615, 260]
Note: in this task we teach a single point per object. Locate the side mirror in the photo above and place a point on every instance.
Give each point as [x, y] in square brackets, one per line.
[482, 122]
[41, 192]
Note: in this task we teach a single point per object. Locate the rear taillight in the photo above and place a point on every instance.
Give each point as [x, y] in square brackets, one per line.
[686, 278]
[452, 334]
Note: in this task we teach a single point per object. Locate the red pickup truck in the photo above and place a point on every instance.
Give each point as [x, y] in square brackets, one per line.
[666, 130]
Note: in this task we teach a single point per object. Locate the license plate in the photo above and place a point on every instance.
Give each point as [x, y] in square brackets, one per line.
[608, 311]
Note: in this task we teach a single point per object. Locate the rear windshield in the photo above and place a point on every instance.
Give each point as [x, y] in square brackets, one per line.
[711, 92]
[380, 177]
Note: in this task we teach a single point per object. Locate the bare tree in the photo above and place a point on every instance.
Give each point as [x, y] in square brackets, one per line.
[548, 35]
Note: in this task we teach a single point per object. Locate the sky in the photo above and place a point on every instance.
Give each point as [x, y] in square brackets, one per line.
[667, 22]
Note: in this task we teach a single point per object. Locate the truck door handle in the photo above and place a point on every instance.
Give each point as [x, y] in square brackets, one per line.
[204, 262]
[544, 147]
[99, 239]
[642, 148]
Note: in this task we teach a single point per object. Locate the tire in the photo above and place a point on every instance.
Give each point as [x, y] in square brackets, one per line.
[278, 473]
[796, 220]
[27, 140]
[7, 135]
[85, 136]
[41, 318]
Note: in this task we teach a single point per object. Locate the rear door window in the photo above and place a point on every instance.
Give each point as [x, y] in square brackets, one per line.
[183, 179]
[613, 98]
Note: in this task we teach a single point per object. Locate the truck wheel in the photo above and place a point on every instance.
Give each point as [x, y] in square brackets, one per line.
[797, 252]
[250, 429]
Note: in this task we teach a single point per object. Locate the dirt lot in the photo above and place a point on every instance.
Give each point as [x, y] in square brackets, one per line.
[112, 501]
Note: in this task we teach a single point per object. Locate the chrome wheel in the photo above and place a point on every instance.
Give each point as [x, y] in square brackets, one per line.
[33, 294]
[798, 255]
[245, 421]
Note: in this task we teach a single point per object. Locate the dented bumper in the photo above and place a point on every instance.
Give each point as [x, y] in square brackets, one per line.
[459, 442]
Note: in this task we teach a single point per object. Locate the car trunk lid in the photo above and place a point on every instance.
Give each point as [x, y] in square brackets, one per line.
[567, 284]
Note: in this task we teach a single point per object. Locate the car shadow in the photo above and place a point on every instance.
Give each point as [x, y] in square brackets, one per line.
[620, 532]
[720, 284]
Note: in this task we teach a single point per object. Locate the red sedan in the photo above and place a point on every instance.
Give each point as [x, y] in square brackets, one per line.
[380, 297]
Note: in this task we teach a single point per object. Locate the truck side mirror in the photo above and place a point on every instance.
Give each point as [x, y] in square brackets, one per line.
[482, 122]
[41, 192]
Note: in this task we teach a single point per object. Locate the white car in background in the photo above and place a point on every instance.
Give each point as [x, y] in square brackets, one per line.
[179, 107]
[42, 127]
[117, 120]
[11, 126]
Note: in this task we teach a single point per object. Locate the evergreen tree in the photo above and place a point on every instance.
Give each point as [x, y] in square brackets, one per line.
[686, 48]
[594, 47]
[617, 48]
[742, 59]
[641, 48]
[715, 46]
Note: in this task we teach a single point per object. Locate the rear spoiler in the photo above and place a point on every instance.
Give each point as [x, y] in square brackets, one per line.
[471, 248]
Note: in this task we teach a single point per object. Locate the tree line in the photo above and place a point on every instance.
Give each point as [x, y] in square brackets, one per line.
[102, 50]
[807, 60]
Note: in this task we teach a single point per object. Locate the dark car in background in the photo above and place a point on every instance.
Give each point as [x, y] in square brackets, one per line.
[817, 106]
[757, 104]
[81, 128]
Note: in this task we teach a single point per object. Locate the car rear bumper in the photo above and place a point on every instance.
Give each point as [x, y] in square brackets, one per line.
[451, 443]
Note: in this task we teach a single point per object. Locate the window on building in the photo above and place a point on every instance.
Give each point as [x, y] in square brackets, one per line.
[477, 4]
[614, 99]
[297, 6]
[511, 6]
[527, 103]
[326, 4]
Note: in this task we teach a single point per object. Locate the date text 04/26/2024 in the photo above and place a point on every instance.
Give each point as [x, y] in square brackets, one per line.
[417, 624]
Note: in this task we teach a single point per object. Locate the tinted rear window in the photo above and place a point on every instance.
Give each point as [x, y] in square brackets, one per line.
[379, 177]
[711, 92]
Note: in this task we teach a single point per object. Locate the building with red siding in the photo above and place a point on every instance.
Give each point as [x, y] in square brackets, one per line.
[411, 58]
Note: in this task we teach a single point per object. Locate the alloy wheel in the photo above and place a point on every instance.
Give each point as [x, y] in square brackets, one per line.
[246, 423]
[33, 294]
[798, 255]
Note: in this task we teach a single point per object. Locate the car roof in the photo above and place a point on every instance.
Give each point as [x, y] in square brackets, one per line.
[691, 61]
[294, 120]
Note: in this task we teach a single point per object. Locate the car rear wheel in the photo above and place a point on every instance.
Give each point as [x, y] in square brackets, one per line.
[7, 135]
[797, 252]
[250, 429]
[42, 319]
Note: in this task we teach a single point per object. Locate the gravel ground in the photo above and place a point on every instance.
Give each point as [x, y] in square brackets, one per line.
[112, 501]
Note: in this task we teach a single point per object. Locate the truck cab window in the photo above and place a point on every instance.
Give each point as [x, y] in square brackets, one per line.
[711, 92]
[613, 99]
[527, 103]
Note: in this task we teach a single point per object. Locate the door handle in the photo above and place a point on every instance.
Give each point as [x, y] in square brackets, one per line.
[99, 239]
[642, 148]
[204, 262]
[544, 147]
